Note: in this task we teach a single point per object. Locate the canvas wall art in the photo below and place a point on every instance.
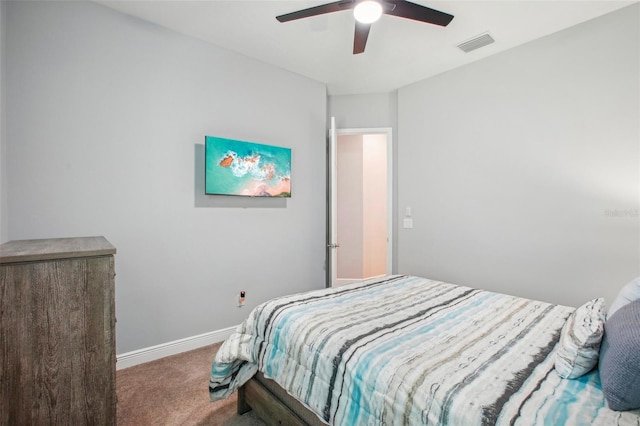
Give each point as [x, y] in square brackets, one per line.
[234, 167]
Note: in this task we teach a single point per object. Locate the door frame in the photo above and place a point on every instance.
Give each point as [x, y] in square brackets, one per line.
[332, 199]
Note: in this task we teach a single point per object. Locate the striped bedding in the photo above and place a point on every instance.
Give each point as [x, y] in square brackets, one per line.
[404, 350]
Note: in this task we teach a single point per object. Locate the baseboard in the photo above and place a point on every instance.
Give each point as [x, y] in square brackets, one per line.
[345, 281]
[140, 356]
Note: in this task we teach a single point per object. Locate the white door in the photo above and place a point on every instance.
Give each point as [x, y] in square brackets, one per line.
[333, 244]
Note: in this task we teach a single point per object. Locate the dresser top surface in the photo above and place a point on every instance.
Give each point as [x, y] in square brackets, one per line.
[54, 248]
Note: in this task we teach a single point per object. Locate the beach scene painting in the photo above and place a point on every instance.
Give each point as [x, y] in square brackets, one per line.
[234, 167]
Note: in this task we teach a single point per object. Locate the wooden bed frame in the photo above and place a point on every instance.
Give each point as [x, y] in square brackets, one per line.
[273, 405]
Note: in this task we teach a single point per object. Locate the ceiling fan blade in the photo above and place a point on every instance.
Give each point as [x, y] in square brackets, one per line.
[360, 38]
[336, 6]
[406, 9]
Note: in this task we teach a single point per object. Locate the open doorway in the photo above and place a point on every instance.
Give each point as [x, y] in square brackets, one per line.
[363, 213]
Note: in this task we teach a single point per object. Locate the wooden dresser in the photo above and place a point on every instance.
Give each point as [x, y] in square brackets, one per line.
[57, 332]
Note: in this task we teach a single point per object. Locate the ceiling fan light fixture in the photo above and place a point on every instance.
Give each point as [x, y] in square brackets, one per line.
[367, 12]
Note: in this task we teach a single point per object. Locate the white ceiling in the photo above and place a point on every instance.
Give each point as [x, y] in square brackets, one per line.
[399, 51]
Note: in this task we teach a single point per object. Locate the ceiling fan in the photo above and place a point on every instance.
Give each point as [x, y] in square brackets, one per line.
[368, 11]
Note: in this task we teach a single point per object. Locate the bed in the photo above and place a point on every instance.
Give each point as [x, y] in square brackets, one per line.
[405, 350]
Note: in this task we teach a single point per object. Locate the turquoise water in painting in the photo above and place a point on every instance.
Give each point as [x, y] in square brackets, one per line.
[234, 167]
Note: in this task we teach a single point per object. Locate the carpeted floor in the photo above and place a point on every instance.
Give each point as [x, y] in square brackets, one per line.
[174, 391]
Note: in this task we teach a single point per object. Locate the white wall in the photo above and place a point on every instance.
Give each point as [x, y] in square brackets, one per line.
[362, 206]
[106, 122]
[522, 169]
[374, 205]
[350, 206]
[373, 110]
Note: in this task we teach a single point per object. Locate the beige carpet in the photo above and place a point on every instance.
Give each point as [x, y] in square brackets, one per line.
[174, 391]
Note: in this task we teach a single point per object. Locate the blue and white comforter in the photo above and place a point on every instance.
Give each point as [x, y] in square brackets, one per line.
[407, 350]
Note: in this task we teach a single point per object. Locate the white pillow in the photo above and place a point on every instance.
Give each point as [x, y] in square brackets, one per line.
[628, 294]
[580, 340]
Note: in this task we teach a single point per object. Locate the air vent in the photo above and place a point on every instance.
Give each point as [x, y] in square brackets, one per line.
[476, 42]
